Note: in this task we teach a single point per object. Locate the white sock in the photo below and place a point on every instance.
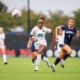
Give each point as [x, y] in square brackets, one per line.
[37, 62]
[4, 58]
[46, 60]
[53, 65]
[62, 61]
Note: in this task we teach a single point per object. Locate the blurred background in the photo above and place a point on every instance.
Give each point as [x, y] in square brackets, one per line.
[18, 17]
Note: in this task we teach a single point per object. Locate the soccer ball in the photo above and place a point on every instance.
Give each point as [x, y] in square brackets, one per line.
[16, 13]
[49, 53]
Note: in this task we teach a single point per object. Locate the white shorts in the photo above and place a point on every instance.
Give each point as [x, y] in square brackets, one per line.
[2, 46]
[41, 42]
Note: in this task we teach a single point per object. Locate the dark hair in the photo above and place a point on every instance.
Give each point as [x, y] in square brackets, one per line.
[71, 18]
[42, 17]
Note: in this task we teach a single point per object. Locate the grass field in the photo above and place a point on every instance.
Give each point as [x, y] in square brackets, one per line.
[21, 69]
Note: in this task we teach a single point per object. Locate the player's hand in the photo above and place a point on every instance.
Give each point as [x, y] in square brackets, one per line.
[29, 44]
[34, 39]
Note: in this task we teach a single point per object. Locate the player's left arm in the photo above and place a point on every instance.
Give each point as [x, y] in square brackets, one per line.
[48, 30]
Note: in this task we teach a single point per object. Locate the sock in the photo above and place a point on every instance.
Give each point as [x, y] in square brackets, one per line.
[4, 58]
[57, 61]
[42, 55]
[46, 60]
[33, 60]
[37, 63]
[62, 61]
[65, 56]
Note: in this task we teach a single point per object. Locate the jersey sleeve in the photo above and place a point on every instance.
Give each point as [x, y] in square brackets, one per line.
[48, 30]
[63, 27]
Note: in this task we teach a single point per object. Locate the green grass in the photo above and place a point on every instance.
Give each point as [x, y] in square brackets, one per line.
[21, 69]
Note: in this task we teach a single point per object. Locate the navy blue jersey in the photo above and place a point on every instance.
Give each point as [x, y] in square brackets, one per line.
[69, 33]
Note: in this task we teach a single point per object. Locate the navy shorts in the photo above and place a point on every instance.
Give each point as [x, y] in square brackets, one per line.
[32, 47]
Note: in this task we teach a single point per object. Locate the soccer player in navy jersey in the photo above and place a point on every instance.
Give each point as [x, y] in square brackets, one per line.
[69, 32]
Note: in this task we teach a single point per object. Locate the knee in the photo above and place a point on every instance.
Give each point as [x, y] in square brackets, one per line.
[69, 51]
[61, 55]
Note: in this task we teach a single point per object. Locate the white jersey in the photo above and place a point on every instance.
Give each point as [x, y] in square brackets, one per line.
[2, 38]
[39, 35]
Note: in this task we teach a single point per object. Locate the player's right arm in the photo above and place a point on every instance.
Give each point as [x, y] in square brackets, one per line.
[31, 38]
[56, 32]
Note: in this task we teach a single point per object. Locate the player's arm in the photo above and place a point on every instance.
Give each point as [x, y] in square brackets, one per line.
[30, 38]
[78, 34]
[48, 30]
[29, 41]
[56, 32]
[52, 39]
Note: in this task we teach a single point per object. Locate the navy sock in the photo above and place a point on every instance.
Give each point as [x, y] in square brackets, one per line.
[65, 56]
[33, 60]
[57, 61]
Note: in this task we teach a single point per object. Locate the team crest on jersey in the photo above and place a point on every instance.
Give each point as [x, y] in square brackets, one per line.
[43, 30]
[40, 35]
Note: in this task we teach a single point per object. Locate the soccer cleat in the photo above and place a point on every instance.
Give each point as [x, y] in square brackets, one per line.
[48, 64]
[36, 69]
[62, 65]
[5, 63]
[53, 68]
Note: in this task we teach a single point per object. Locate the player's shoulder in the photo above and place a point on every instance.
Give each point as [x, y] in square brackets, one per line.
[75, 30]
[44, 27]
[35, 28]
[64, 27]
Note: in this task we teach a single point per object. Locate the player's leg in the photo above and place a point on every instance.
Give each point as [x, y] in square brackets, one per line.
[41, 49]
[37, 61]
[58, 59]
[34, 56]
[62, 63]
[66, 55]
[62, 55]
[45, 59]
[4, 55]
[33, 53]
[68, 51]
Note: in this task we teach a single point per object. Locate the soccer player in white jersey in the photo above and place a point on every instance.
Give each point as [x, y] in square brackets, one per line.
[40, 42]
[60, 42]
[2, 44]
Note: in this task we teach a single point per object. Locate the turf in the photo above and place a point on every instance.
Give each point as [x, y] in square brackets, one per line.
[21, 69]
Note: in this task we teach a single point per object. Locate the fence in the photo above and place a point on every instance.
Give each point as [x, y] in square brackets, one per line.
[16, 43]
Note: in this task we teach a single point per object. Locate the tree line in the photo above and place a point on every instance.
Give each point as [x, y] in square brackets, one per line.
[55, 18]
